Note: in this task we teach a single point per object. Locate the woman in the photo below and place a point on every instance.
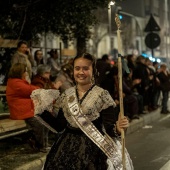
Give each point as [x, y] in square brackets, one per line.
[23, 55]
[42, 78]
[21, 106]
[86, 113]
[38, 58]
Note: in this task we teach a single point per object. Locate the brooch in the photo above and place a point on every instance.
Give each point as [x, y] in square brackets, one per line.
[71, 99]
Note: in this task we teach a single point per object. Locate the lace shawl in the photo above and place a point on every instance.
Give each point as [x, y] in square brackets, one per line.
[96, 100]
[44, 99]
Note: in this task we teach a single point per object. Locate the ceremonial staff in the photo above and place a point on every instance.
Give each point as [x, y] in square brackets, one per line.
[118, 23]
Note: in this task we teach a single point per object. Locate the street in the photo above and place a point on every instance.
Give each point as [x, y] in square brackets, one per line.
[149, 147]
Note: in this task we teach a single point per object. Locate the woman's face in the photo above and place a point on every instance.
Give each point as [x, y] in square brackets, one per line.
[83, 71]
[39, 55]
[23, 48]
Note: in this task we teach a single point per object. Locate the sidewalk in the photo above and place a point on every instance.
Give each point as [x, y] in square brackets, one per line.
[144, 120]
[136, 124]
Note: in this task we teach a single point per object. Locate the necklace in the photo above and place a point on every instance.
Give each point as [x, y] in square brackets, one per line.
[82, 92]
[83, 96]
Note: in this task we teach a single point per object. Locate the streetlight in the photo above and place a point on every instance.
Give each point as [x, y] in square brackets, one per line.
[111, 3]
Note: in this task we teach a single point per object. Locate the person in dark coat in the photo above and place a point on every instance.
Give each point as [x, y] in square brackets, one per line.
[103, 67]
[130, 101]
[164, 78]
[141, 72]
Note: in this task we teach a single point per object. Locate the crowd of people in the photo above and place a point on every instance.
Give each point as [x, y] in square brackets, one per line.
[92, 87]
[143, 85]
[26, 74]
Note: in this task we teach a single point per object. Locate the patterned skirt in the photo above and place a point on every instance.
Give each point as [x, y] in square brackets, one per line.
[73, 150]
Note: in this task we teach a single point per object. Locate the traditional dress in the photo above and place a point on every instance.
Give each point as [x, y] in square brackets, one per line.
[85, 144]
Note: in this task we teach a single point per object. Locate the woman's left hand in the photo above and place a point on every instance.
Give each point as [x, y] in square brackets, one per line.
[122, 123]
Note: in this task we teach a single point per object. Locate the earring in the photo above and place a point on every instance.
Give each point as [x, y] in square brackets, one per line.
[93, 80]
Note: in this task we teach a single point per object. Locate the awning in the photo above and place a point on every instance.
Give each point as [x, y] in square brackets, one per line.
[7, 43]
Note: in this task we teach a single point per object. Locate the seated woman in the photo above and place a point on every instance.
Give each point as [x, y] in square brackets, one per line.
[42, 78]
[21, 106]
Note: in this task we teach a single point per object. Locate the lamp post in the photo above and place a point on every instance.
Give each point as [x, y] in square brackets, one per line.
[111, 3]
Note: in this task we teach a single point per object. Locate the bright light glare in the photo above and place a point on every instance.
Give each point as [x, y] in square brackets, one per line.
[112, 3]
[153, 59]
[158, 60]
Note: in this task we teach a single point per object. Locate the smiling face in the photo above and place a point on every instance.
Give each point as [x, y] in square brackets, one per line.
[23, 48]
[83, 71]
[39, 55]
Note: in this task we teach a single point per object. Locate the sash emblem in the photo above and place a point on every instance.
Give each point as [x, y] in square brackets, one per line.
[75, 110]
[71, 99]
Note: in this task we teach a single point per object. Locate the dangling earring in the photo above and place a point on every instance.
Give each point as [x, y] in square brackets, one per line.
[93, 80]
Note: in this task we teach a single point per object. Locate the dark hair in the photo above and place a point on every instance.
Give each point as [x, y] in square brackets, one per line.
[88, 57]
[51, 52]
[36, 59]
[105, 57]
[139, 58]
[155, 63]
[17, 70]
[129, 57]
[20, 43]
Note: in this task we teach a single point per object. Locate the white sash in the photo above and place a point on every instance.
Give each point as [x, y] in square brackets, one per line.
[104, 142]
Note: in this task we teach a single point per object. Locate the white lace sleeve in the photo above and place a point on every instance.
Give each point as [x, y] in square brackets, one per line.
[44, 99]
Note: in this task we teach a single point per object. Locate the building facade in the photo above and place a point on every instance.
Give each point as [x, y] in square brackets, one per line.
[135, 16]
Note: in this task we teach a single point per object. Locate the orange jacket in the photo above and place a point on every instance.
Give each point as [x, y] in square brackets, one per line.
[18, 93]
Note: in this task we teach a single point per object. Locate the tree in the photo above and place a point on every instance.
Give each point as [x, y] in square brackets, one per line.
[67, 19]
[99, 30]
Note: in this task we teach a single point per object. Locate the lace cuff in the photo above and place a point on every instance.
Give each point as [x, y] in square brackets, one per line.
[44, 99]
[118, 135]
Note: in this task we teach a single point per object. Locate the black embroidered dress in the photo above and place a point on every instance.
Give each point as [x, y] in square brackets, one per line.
[73, 150]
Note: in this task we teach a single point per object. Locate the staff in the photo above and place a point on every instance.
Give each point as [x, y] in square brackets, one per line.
[118, 23]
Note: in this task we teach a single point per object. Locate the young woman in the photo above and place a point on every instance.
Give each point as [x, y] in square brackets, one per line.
[38, 58]
[86, 114]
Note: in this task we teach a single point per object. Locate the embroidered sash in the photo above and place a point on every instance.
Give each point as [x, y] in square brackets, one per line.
[105, 143]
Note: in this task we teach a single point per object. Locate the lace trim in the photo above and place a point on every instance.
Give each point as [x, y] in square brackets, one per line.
[44, 99]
